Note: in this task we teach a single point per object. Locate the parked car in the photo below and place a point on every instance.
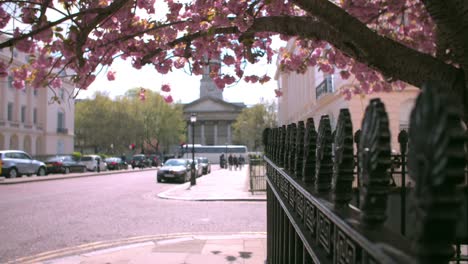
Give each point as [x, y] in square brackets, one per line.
[15, 163]
[205, 164]
[174, 169]
[198, 168]
[116, 163]
[140, 161]
[92, 161]
[155, 162]
[64, 164]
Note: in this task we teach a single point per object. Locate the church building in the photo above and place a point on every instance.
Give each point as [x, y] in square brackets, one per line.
[214, 116]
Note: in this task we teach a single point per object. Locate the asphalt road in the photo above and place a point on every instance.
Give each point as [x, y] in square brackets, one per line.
[43, 216]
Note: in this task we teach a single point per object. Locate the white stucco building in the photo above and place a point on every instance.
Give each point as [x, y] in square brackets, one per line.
[314, 94]
[30, 120]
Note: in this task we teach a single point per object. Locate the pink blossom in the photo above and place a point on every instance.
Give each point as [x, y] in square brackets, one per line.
[228, 79]
[166, 88]
[264, 79]
[220, 83]
[18, 84]
[25, 45]
[229, 60]
[20, 73]
[344, 75]
[4, 17]
[29, 14]
[168, 99]
[278, 93]
[111, 75]
[56, 83]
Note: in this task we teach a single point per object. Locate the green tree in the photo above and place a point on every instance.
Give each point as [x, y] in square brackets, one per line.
[110, 126]
[249, 125]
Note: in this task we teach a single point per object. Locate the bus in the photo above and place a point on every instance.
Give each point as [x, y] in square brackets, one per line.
[213, 152]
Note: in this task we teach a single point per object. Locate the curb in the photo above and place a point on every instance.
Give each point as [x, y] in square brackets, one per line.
[166, 195]
[61, 177]
[115, 245]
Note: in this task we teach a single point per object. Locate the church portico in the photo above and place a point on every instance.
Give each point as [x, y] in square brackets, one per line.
[214, 115]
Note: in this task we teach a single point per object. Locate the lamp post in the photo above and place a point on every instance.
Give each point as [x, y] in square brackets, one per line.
[193, 119]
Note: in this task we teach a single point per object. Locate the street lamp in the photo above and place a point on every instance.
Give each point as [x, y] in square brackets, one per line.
[193, 119]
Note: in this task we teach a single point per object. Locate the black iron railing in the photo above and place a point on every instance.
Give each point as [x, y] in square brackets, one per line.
[314, 215]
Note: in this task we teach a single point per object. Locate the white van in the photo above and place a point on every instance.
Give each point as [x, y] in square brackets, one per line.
[92, 161]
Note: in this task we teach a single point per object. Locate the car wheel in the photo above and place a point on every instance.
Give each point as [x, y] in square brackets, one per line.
[159, 180]
[13, 173]
[41, 171]
[67, 170]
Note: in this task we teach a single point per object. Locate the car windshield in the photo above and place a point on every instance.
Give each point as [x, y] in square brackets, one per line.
[175, 163]
[203, 160]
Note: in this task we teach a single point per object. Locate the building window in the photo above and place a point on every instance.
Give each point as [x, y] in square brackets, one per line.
[61, 123]
[35, 115]
[60, 120]
[23, 113]
[325, 87]
[10, 82]
[62, 94]
[10, 111]
[35, 91]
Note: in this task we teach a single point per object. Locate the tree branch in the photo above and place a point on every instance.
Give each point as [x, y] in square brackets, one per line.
[387, 56]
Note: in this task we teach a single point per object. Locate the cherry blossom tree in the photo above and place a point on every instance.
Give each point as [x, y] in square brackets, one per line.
[385, 44]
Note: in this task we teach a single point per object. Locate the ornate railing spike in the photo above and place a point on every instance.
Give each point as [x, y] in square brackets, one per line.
[324, 164]
[292, 149]
[299, 150]
[343, 164]
[374, 159]
[436, 163]
[310, 143]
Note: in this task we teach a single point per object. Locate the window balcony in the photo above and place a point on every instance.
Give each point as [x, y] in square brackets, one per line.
[62, 130]
[325, 87]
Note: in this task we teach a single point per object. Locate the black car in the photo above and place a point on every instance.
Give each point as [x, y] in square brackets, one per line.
[64, 164]
[205, 165]
[115, 163]
[174, 170]
[140, 161]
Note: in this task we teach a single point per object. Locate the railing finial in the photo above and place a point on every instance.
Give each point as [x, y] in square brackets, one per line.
[343, 164]
[374, 159]
[324, 164]
[310, 143]
[436, 162]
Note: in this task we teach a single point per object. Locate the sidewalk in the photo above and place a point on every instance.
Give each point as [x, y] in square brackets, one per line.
[219, 185]
[189, 248]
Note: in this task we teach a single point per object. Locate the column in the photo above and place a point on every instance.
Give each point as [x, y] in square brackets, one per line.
[202, 133]
[215, 128]
[228, 126]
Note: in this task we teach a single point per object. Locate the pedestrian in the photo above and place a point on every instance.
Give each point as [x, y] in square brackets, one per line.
[230, 161]
[222, 161]
[235, 160]
[241, 161]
